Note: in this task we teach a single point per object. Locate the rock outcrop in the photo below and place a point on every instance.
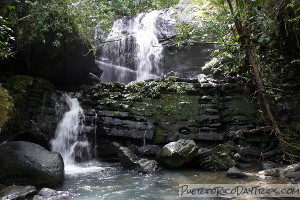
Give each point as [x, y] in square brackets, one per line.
[31, 164]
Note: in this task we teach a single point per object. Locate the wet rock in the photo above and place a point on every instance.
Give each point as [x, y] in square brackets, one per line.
[267, 165]
[127, 158]
[147, 166]
[275, 172]
[82, 152]
[175, 154]
[294, 176]
[130, 161]
[222, 157]
[280, 172]
[50, 194]
[37, 165]
[149, 150]
[234, 172]
[292, 168]
[17, 192]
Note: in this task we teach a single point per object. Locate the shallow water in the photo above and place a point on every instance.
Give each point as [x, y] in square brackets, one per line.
[109, 181]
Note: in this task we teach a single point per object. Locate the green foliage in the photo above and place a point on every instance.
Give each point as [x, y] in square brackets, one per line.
[54, 22]
[133, 7]
[6, 39]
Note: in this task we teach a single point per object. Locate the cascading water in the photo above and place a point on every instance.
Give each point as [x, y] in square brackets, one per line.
[131, 50]
[68, 139]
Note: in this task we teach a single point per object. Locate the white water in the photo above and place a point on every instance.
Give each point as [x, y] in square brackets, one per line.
[132, 50]
[67, 135]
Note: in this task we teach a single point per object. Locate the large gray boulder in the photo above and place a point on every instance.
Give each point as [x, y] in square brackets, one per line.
[175, 154]
[30, 163]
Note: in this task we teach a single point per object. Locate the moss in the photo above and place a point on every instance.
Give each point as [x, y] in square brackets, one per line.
[242, 106]
[292, 136]
[28, 93]
[159, 135]
[6, 107]
[167, 105]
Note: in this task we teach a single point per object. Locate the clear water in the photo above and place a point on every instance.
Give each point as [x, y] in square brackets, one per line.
[109, 181]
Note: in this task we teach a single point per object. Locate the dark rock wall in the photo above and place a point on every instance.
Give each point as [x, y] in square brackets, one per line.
[156, 112]
[186, 60]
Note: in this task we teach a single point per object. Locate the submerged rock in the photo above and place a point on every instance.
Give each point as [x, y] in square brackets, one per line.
[17, 192]
[30, 163]
[222, 157]
[234, 172]
[49, 194]
[175, 154]
[147, 166]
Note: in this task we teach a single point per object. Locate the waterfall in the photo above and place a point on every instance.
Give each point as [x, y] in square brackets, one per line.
[131, 50]
[68, 139]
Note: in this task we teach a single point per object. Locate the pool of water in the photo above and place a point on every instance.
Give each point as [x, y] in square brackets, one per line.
[109, 181]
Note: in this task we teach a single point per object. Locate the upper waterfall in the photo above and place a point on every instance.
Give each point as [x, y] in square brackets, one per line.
[131, 49]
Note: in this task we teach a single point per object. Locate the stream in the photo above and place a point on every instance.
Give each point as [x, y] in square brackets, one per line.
[100, 180]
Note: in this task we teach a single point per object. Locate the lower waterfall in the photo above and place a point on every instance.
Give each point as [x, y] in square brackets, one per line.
[68, 140]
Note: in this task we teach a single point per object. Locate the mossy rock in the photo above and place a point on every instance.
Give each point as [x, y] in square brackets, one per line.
[241, 106]
[21, 86]
[28, 94]
[6, 107]
[221, 157]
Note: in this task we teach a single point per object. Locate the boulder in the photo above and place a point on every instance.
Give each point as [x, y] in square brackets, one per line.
[175, 154]
[30, 163]
[130, 161]
[234, 172]
[17, 192]
[222, 157]
[50, 194]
